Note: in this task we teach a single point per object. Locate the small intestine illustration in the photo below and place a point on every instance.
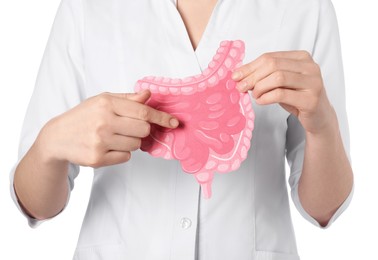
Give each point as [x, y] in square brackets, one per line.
[216, 120]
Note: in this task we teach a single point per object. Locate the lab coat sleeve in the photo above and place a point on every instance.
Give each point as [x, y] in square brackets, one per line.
[327, 53]
[59, 85]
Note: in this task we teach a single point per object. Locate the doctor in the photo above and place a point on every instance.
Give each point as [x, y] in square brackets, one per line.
[147, 208]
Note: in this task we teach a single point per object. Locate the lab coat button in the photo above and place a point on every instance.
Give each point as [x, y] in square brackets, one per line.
[185, 223]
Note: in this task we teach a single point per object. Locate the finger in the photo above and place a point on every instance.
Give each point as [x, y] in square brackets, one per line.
[268, 58]
[284, 79]
[123, 143]
[142, 112]
[272, 66]
[128, 108]
[140, 97]
[288, 97]
[131, 127]
[115, 157]
[294, 55]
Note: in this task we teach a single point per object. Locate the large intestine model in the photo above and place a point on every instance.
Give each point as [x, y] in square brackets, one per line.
[216, 120]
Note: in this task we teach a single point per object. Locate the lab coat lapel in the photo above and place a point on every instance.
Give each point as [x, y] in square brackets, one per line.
[189, 62]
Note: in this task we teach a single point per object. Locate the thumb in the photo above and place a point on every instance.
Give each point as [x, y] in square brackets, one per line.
[140, 97]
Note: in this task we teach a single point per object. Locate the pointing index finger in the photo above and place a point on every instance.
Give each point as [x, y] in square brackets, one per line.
[133, 109]
[154, 116]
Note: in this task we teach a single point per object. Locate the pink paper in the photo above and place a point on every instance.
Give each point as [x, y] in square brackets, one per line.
[216, 120]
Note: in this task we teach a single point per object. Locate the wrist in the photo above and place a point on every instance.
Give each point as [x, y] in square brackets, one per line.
[328, 135]
[323, 120]
[46, 146]
[327, 125]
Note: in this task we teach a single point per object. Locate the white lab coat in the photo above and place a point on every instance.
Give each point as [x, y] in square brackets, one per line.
[148, 208]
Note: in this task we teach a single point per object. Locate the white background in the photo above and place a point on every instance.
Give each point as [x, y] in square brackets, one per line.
[24, 29]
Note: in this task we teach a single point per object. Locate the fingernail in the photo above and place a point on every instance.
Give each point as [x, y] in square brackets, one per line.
[174, 122]
[236, 75]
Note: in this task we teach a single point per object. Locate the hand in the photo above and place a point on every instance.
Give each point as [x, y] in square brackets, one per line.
[102, 130]
[292, 79]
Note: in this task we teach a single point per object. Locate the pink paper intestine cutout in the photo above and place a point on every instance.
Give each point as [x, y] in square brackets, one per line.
[216, 120]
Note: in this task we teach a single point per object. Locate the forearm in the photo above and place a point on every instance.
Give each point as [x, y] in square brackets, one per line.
[101, 131]
[41, 183]
[327, 177]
